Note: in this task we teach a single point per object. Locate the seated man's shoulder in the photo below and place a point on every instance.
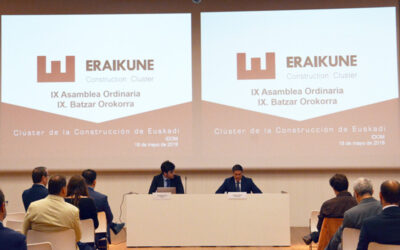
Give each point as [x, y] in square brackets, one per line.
[36, 204]
[229, 179]
[352, 211]
[330, 201]
[14, 234]
[27, 191]
[71, 208]
[12, 237]
[25, 194]
[247, 178]
[373, 220]
[340, 199]
[99, 195]
[157, 176]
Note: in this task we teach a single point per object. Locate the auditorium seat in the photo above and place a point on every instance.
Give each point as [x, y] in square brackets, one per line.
[328, 229]
[87, 231]
[313, 223]
[15, 225]
[40, 246]
[350, 238]
[14, 216]
[377, 246]
[63, 240]
[102, 228]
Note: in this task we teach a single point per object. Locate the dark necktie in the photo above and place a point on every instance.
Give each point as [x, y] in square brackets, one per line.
[237, 187]
[168, 183]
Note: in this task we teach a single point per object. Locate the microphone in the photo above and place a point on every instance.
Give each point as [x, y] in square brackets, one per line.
[122, 202]
[185, 184]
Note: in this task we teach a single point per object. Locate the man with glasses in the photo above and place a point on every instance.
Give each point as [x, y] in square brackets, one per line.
[9, 239]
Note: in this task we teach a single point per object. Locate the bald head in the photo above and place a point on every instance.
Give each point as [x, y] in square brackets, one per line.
[390, 192]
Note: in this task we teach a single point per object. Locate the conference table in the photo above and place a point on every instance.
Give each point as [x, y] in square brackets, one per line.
[208, 220]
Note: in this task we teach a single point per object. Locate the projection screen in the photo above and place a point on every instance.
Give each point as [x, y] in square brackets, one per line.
[125, 85]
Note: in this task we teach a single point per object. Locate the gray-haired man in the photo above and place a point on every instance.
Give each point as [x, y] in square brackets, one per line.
[353, 218]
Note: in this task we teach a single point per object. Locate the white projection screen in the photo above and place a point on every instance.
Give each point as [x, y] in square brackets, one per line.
[125, 85]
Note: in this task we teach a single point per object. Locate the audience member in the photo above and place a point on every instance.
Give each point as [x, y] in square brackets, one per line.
[77, 195]
[38, 190]
[335, 207]
[167, 178]
[353, 218]
[101, 201]
[238, 183]
[9, 239]
[53, 213]
[383, 228]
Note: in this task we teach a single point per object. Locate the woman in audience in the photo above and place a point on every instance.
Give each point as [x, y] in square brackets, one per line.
[77, 195]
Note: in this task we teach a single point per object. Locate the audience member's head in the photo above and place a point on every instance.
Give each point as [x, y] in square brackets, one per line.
[58, 185]
[390, 193]
[339, 183]
[3, 210]
[168, 169]
[237, 171]
[76, 188]
[90, 177]
[363, 188]
[39, 175]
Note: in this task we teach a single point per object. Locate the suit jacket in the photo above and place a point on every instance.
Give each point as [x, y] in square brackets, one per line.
[101, 202]
[9, 239]
[354, 217]
[158, 181]
[52, 214]
[383, 228]
[36, 192]
[247, 185]
[336, 207]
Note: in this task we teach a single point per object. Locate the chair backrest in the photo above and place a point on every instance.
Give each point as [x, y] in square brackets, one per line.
[87, 231]
[377, 246]
[15, 225]
[328, 229]
[314, 221]
[63, 240]
[102, 228]
[350, 238]
[16, 216]
[40, 246]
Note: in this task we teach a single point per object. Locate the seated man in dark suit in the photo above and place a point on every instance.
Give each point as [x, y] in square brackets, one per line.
[38, 190]
[167, 178]
[335, 207]
[383, 228]
[367, 207]
[101, 202]
[238, 183]
[9, 239]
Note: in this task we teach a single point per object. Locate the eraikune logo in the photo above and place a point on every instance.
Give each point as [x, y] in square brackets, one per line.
[314, 61]
[255, 72]
[56, 75]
